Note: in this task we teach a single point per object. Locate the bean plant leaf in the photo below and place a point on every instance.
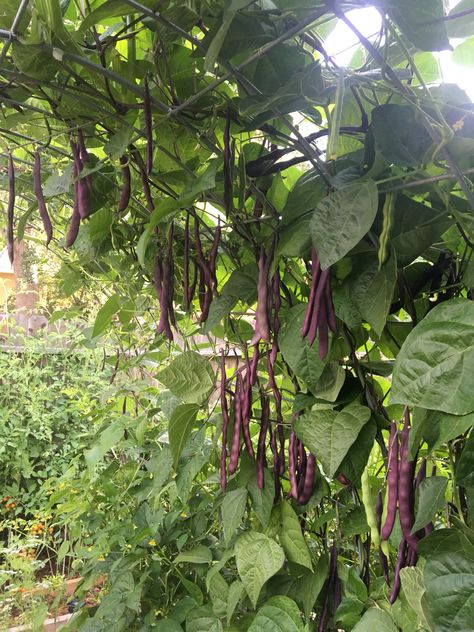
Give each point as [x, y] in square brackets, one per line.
[235, 594]
[278, 614]
[430, 500]
[329, 434]
[421, 22]
[436, 362]
[449, 581]
[437, 428]
[400, 138]
[105, 314]
[258, 558]
[307, 588]
[189, 376]
[181, 423]
[203, 620]
[414, 590]
[415, 227]
[303, 359]
[463, 25]
[198, 555]
[375, 620]
[374, 293]
[292, 538]
[341, 220]
[233, 507]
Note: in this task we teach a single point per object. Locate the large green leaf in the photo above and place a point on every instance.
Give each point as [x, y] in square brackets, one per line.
[375, 620]
[189, 376]
[442, 541]
[462, 26]
[294, 238]
[105, 314]
[414, 590]
[446, 427]
[415, 227]
[258, 558]
[200, 554]
[356, 459]
[181, 423]
[430, 500]
[421, 22]
[341, 220]
[308, 191]
[242, 283]
[436, 362]
[292, 538]
[262, 499]
[307, 588]
[449, 581]
[399, 137]
[373, 294]
[203, 620]
[329, 434]
[235, 594]
[233, 507]
[301, 358]
[278, 614]
[219, 38]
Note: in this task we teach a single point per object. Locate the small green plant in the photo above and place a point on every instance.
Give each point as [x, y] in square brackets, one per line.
[47, 402]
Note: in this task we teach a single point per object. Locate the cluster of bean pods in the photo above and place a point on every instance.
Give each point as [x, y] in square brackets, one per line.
[240, 399]
[38, 191]
[82, 207]
[401, 487]
[333, 595]
[204, 274]
[320, 316]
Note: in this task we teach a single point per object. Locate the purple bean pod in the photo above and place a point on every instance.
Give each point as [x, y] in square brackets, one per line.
[292, 465]
[254, 365]
[235, 446]
[203, 264]
[186, 285]
[84, 156]
[82, 190]
[336, 582]
[315, 274]
[264, 423]
[73, 228]
[262, 326]
[158, 280]
[225, 425]
[146, 189]
[392, 482]
[246, 410]
[406, 487]
[38, 190]
[308, 483]
[401, 561]
[11, 208]
[276, 464]
[126, 191]
[382, 557]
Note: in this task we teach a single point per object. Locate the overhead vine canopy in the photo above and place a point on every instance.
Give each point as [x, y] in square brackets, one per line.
[219, 172]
